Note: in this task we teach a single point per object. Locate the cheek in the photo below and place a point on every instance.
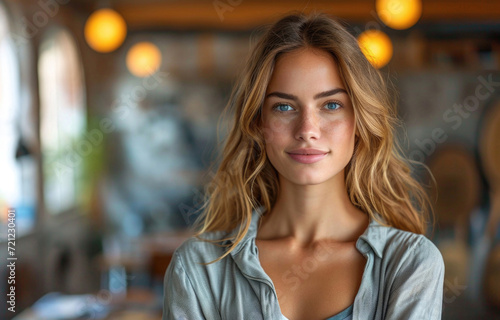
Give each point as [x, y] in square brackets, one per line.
[273, 130]
[341, 132]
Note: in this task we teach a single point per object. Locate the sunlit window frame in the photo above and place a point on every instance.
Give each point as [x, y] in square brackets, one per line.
[59, 163]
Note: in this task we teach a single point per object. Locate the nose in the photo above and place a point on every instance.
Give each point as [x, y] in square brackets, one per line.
[308, 126]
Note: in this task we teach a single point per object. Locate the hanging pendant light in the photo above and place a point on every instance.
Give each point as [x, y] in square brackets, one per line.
[105, 30]
[376, 46]
[399, 14]
[143, 59]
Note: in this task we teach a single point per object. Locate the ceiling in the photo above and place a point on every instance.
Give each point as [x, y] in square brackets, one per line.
[248, 14]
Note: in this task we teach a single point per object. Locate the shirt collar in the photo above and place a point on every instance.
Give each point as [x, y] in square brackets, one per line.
[374, 237]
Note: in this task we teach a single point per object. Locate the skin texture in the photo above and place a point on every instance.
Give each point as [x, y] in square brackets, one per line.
[313, 218]
[313, 203]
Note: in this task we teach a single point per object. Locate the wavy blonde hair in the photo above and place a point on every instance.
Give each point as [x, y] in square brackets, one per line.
[378, 177]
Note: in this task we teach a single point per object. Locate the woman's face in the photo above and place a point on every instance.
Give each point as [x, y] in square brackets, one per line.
[307, 106]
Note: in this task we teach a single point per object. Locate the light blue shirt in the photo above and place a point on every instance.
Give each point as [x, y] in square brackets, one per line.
[403, 279]
[345, 314]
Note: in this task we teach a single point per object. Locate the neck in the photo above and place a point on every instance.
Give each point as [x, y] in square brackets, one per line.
[308, 214]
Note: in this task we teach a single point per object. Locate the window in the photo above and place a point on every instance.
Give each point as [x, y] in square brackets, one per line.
[17, 166]
[62, 121]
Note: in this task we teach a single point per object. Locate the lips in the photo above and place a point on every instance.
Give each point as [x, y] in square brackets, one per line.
[307, 151]
[305, 158]
[308, 154]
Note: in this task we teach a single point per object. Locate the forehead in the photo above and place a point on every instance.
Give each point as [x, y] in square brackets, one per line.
[305, 67]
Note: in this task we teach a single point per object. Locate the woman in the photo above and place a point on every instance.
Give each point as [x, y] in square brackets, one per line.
[313, 212]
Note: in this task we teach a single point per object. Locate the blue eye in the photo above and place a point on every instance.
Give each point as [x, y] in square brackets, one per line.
[281, 107]
[335, 104]
[278, 107]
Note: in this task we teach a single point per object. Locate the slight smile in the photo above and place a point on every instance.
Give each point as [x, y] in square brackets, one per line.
[307, 158]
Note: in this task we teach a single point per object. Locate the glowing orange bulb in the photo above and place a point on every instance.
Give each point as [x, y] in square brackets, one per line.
[143, 59]
[376, 46]
[105, 30]
[399, 14]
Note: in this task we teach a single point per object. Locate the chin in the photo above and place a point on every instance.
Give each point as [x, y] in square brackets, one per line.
[307, 178]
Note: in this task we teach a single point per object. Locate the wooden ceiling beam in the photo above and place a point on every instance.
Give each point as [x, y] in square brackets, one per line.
[222, 15]
[248, 14]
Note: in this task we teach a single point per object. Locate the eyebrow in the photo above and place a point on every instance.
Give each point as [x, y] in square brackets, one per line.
[295, 98]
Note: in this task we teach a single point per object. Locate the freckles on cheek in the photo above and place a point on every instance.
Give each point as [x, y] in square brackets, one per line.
[340, 130]
[273, 128]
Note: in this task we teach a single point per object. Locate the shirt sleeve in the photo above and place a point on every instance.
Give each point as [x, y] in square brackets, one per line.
[179, 298]
[417, 290]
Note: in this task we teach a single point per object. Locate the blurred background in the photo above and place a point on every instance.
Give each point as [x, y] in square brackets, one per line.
[108, 114]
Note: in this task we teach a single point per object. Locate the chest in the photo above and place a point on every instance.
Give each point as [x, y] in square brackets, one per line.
[313, 284]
